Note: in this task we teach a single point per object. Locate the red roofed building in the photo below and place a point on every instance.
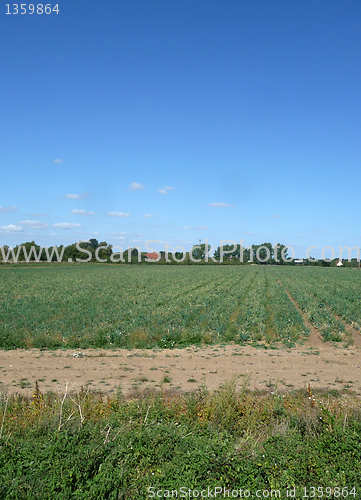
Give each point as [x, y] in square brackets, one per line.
[152, 256]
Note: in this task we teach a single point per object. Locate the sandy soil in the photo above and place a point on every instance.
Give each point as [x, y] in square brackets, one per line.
[322, 365]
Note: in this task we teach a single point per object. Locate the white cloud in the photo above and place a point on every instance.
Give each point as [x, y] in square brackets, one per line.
[166, 189]
[273, 217]
[198, 228]
[7, 210]
[148, 216]
[135, 186]
[77, 196]
[58, 160]
[33, 224]
[117, 214]
[220, 205]
[11, 228]
[82, 212]
[66, 225]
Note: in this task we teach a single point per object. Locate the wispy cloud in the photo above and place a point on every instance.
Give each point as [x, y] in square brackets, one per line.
[220, 205]
[34, 224]
[82, 212]
[38, 215]
[135, 186]
[273, 217]
[11, 228]
[166, 189]
[58, 160]
[198, 228]
[66, 225]
[7, 210]
[117, 214]
[148, 216]
[77, 196]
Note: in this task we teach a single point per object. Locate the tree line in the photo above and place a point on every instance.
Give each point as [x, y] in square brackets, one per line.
[95, 251]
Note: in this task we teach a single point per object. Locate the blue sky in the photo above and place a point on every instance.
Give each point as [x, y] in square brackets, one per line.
[249, 112]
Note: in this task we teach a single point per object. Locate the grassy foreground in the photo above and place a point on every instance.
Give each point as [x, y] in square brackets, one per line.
[87, 446]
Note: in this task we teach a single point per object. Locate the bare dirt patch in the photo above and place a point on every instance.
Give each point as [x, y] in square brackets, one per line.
[325, 366]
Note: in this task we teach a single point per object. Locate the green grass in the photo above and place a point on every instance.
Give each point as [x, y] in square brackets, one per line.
[87, 446]
[160, 306]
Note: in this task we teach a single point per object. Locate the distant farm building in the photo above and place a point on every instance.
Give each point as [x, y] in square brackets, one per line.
[152, 256]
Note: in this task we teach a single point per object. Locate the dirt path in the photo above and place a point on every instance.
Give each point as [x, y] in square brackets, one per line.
[323, 366]
[314, 339]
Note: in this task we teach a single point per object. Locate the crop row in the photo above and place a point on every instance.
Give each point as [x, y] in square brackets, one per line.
[143, 306]
[328, 297]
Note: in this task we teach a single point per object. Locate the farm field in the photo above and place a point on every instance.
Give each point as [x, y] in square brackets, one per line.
[167, 306]
[115, 379]
[283, 327]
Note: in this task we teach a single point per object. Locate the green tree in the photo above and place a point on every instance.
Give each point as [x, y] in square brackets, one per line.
[199, 251]
[279, 258]
[263, 254]
[241, 253]
[94, 243]
[29, 251]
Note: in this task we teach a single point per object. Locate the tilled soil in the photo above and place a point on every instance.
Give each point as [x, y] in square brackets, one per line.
[320, 364]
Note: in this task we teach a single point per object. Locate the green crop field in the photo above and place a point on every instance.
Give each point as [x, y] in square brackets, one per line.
[53, 306]
[86, 445]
